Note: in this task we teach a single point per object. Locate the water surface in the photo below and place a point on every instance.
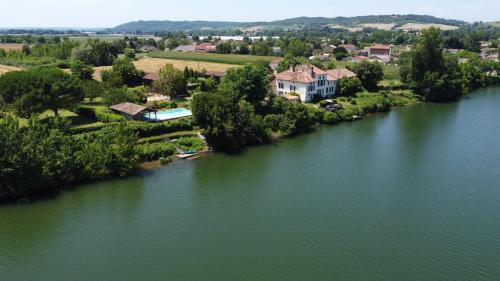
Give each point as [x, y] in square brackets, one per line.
[413, 194]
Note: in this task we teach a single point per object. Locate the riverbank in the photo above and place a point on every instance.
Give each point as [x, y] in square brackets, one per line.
[89, 165]
[410, 194]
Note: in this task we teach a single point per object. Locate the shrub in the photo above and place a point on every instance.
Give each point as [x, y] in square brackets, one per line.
[155, 151]
[191, 143]
[153, 129]
[166, 160]
[331, 118]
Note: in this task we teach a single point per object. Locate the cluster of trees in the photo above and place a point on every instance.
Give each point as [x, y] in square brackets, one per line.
[241, 112]
[172, 82]
[369, 73]
[231, 47]
[39, 89]
[95, 52]
[430, 72]
[41, 159]
[123, 73]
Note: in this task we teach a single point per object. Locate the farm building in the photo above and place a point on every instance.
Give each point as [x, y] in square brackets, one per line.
[349, 47]
[185, 48]
[206, 48]
[148, 48]
[380, 50]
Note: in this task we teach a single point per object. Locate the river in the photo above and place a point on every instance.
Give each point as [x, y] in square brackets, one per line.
[413, 194]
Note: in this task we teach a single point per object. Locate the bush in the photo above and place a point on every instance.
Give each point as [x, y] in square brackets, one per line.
[191, 143]
[155, 151]
[349, 86]
[99, 113]
[108, 117]
[331, 118]
[166, 160]
[145, 130]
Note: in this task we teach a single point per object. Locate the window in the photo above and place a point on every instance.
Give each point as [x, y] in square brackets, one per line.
[293, 88]
[281, 85]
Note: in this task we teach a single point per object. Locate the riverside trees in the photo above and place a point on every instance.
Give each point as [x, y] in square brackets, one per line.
[431, 73]
[41, 159]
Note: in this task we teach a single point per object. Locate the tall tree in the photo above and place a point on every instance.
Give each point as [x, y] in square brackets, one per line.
[81, 70]
[429, 72]
[172, 82]
[370, 73]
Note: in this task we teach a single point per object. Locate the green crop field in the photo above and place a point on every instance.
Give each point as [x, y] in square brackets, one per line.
[209, 57]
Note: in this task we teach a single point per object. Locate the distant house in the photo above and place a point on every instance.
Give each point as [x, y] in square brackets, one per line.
[329, 48]
[148, 48]
[150, 77]
[276, 50]
[131, 111]
[216, 74]
[321, 57]
[385, 59]
[349, 47]
[185, 48]
[493, 57]
[380, 50]
[205, 48]
[309, 82]
[357, 59]
[364, 52]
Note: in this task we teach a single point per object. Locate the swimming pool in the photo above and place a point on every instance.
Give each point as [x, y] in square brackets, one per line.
[169, 114]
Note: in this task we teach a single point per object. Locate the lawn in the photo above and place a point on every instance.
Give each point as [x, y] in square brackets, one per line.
[214, 58]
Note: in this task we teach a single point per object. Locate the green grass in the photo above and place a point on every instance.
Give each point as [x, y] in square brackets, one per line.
[391, 72]
[366, 102]
[209, 57]
[191, 143]
[162, 137]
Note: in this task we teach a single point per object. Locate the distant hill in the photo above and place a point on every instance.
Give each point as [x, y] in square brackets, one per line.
[301, 22]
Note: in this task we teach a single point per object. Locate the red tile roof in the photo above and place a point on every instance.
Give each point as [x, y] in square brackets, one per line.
[336, 74]
[380, 47]
[301, 73]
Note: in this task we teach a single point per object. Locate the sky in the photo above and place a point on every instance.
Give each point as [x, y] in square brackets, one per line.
[109, 13]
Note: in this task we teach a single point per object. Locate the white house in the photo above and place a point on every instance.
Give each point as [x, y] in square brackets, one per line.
[310, 82]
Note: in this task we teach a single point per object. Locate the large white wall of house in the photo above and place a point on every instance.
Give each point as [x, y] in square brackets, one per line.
[293, 87]
[329, 89]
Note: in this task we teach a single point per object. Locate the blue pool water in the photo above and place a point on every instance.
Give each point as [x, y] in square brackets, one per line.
[169, 114]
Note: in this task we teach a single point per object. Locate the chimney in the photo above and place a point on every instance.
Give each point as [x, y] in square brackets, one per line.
[312, 72]
[292, 68]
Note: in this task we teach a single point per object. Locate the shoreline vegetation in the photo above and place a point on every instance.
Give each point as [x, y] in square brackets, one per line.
[57, 129]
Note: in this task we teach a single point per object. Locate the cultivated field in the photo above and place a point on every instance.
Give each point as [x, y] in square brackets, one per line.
[209, 57]
[13, 46]
[155, 64]
[420, 26]
[381, 26]
[6, 68]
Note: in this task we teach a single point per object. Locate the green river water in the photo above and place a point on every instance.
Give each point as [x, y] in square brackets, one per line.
[413, 194]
